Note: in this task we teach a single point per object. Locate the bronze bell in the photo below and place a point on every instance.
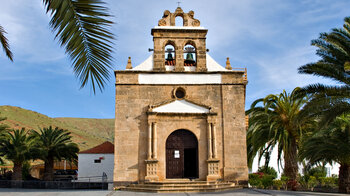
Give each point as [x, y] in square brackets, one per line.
[169, 57]
[189, 57]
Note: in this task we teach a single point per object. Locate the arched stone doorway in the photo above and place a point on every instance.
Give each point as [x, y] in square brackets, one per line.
[182, 155]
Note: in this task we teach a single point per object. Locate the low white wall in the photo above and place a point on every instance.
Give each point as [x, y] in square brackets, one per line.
[88, 168]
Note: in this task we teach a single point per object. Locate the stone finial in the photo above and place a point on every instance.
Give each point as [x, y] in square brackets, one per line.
[129, 66]
[228, 64]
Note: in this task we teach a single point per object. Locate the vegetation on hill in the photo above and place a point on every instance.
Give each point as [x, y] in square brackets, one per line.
[86, 132]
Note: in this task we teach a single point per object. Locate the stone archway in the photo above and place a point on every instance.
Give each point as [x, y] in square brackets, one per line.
[182, 155]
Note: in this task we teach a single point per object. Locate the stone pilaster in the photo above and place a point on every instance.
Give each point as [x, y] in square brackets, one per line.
[154, 141]
[209, 142]
[213, 132]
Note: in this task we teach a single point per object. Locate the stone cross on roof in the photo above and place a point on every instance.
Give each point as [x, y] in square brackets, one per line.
[178, 3]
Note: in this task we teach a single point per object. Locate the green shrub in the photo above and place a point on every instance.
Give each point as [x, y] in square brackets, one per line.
[284, 180]
[312, 182]
[318, 172]
[269, 171]
[267, 181]
[278, 184]
[329, 182]
[254, 180]
[303, 181]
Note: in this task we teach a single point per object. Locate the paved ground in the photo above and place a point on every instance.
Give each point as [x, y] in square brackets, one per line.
[43, 192]
[242, 192]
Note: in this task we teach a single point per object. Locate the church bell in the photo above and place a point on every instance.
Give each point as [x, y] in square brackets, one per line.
[189, 57]
[169, 57]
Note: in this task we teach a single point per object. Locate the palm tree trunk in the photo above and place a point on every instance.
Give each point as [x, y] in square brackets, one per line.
[344, 178]
[17, 171]
[48, 170]
[291, 165]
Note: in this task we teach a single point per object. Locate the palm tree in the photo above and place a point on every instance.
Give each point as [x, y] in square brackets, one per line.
[54, 144]
[17, 147]
[331, 144]
[277, 122]
[82, 29]
[330, 101]
[3, 127]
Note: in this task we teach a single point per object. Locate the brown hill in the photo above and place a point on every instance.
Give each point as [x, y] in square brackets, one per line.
[86, 132]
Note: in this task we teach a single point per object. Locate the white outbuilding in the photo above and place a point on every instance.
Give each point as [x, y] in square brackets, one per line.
[97, 163]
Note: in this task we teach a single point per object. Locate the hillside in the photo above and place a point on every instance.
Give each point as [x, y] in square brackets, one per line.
[86, 132]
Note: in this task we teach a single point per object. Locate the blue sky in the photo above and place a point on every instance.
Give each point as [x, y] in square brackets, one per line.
[269, 37]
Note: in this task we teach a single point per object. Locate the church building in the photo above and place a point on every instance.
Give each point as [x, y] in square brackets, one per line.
[179, 115]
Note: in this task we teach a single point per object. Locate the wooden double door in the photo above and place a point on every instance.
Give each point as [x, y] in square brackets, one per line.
[182, 155]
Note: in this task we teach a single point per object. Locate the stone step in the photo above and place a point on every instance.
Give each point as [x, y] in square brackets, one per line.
[180, 190]
[164, 186]
[183, 182]
[181, 187]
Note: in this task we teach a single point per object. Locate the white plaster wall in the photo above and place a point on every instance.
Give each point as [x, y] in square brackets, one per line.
[179, 78]
[87, 167]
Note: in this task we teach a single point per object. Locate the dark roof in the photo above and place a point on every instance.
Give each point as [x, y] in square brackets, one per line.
[104, 148]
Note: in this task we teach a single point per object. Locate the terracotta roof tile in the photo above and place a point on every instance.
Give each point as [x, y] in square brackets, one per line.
[104, 148]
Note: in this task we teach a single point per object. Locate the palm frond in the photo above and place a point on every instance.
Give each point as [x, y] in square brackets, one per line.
[5, 44]
[330, 144]
[83, 29]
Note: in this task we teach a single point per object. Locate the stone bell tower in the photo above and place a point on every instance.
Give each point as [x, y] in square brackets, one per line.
[180, 114]
[166, 33]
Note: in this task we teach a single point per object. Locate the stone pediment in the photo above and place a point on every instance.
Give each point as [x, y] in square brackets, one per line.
[180, 106]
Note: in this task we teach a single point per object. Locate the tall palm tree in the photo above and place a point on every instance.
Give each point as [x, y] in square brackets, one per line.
[54, 144]
[277, 123]
[330, 101]
[82, 29]
[17, 147]
[331, 144]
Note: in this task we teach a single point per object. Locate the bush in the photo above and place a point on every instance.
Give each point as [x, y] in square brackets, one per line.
[267, 181]
[303, 181]
[318, 172]
[278, 184]
[254, 180]
[329, 182]
[284, 180]
[269, 171]
[312, 182]
[261, 180]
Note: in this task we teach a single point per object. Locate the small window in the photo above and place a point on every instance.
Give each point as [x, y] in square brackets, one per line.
[180, 93]
[97, 161]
